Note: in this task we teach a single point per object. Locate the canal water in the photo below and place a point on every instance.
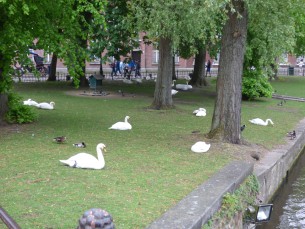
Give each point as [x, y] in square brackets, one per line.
[289, 201]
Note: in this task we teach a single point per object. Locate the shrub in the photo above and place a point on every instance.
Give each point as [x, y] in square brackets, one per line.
[19, 113]
[255, 84]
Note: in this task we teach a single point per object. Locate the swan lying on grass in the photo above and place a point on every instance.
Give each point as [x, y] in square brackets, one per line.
[47, 106]
[121, 125]
[261, 122]
[30, 102]
[87, 161]
[200, 112]
[200, 147]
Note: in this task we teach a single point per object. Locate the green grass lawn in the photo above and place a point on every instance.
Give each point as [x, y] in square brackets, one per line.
[148, 169]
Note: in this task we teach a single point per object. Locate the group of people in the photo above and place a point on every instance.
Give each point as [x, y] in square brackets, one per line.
[125, 68]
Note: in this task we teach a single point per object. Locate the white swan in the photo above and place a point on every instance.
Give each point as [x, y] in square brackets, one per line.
[183, 87]
[174, 92]
[200, 147]
[261, 122]
[87, 161]
[122, 125]
[200, 112]
[30, 102]
[189, 86]
[48, 106]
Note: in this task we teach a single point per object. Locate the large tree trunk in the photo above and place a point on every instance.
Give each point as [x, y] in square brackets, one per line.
[83, 82]
[227, 112]
[3, 94]
[52, 73]
[199, 69]
[163, 96]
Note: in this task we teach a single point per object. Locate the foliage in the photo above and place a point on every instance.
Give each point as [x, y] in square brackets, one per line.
[235, 202]
[19, 113]
[181, 21]
[299, 17]
[255, 84]
[271, 32]
[54, 26]
[118, 36]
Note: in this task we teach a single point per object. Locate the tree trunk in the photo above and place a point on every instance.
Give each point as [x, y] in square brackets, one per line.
[227, 112]
[101, 67]
[199, 69]
[83, 82]
[163, 95]
[3, 94]
[52, 73]
[174, 77]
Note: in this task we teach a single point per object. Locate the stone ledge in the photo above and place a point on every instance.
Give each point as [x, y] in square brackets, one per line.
[273, 168]
[199, 206]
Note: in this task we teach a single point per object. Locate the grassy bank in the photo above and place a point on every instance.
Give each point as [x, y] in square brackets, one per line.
[148, 169]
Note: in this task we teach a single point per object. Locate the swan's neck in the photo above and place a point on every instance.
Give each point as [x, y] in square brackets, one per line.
[100, 156]
[126, 120]
[268, 120]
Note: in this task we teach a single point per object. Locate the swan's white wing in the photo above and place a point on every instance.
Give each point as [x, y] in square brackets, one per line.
[121, 126]
[82, 156]
[200, 147]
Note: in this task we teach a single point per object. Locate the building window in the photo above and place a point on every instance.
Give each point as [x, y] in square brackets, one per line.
[155, 57]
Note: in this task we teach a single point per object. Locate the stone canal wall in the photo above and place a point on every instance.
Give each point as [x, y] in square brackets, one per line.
[275, 166]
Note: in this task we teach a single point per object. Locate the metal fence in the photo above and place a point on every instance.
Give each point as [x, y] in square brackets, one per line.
[180, 74]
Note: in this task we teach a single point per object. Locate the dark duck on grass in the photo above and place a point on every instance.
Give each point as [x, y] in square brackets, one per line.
[60, 139]
[80, 145]
[292, 134]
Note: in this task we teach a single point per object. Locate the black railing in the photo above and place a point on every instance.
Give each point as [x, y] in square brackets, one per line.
[147, 74]
[7, 220]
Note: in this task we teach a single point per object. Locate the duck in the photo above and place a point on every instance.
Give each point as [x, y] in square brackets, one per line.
[200, 147]
[242, 127]
[261, 122]
[292, 134]
[30, 102]
[122, 125]
[174, 92]
[47, 106]
[87, 161]
[80, 145]
[60, 139]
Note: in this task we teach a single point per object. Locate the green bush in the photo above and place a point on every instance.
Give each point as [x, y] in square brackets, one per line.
[255, 84]
[19, 113]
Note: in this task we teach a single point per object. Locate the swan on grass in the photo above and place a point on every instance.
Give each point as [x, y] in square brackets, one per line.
[183, 87]
[122, 125]
[200, 147]
[47, 106]
[261, 122]
[87, 161]
[174, 92]
[200, 112]
[30, 102]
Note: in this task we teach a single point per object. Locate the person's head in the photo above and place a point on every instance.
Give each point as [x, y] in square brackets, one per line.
[96, 218]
